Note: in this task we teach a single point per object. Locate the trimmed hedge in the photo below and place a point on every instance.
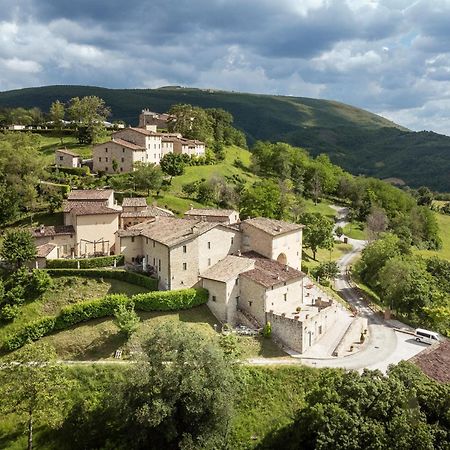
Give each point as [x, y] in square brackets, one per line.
[104, 307]
[85, 263]
[121, 275]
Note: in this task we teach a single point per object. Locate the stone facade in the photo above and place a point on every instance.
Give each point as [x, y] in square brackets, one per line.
[66, 158]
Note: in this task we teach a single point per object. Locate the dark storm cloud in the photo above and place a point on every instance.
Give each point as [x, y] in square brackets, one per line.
[390, 56]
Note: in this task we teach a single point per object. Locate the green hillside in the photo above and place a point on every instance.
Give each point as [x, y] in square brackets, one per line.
[357, 140]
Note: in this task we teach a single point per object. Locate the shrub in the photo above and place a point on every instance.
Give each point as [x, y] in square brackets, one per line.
[8, 313]
[122, 275]
[15, 296]
[267, 330]
[126, 319]
[103, 307]
[85, 263]
[40, 281]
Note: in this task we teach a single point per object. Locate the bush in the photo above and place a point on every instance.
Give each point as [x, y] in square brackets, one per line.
[267, 330]
[80, 171]
[15, 296]
[40, 281]
[8, 313]
[122, 275]
[85, 263]
[126, 319]
[104, 307]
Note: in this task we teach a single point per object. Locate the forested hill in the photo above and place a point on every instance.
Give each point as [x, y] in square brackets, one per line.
[357, 140]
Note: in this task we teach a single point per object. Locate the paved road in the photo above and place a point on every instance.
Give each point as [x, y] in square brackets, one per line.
[384, 345]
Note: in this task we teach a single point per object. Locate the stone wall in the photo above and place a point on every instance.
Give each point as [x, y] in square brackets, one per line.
[287, 330]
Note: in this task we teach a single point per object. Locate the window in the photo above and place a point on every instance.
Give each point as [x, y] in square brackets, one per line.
[121, 169]
[132, 238]
[285, 297]
[209, 261]
[159, 265]
[237, 299]
[106, 149]
[214, 298]
[154, 245]
[61, 158]
[184, 249]
[123, 159]
[184, 266]
[99, 159]
[154, 156]
[146, 240]
[106, 169]
[237, 281]
[232, 240]
[123, 150]
[250, 304]
[209, 244]
[106, 159]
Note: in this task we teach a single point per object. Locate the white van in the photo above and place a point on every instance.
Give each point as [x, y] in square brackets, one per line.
[428, 337]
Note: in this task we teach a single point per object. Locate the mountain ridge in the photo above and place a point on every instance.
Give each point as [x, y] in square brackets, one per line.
[360, 141]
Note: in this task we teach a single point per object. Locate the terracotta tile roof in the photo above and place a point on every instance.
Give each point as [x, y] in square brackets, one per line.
[134, 201]
[269, 272]
[88, 208]
[435, 362]
[42, 251]
[67, 152]
[144, 131]
[90, 194]
[272, 226]
[228, 268]
[150, 211]
[52, 230]
[169, 230]
[210, 212]
[126, 144]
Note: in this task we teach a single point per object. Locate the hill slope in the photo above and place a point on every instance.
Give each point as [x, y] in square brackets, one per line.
[359, 141]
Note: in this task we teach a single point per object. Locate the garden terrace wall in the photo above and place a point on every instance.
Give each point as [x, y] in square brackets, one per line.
[104, 307]
[121, 275]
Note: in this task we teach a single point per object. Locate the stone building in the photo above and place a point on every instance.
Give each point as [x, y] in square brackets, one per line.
[135, 210]
[228, 216]
[66, 158]
[148, 117]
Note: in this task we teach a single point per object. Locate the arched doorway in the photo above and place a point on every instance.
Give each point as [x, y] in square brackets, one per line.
[282, 259]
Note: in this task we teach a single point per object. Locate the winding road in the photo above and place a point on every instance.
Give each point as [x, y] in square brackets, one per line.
[385, 345]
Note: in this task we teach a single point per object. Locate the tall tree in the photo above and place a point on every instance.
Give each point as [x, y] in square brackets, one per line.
[172, 164]
[261, 199]
[89, 114]
[179, 395]
[191, 121]
[18, 248]
[318, 232]
[147, 177]
[33, 386]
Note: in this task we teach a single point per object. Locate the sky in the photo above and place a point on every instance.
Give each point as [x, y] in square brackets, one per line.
[391, 57]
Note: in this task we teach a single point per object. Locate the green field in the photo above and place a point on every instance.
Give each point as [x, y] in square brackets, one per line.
[48, 145]
[355, 230]
[444, 226]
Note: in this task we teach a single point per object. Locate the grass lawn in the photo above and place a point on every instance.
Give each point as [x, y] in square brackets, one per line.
[444, 226]
[67, 290]
[322, 255]
[175, 200]
[322, 207]
[99, 339]
[355, 230]
[48, 145]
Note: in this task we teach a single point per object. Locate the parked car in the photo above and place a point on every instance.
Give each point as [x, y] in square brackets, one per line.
[428, 337]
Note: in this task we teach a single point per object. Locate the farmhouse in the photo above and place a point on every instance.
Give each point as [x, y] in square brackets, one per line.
[135, 210]
[66, 158]
[228, 216]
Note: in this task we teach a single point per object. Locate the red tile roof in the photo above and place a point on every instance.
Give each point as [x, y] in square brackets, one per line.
[269, 272]
[90, 194]
[88, 208]
[52, 230]
[126, 144]
[435, 362]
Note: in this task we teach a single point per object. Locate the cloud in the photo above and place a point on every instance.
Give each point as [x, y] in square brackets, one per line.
[388, 56]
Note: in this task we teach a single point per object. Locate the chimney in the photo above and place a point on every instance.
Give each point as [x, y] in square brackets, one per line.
[278, 228]
[194, 229]
[41, 229]
[239, 253]
[286, 268]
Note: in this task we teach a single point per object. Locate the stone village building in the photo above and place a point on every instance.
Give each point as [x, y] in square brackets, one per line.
[251, 268]
[131, 145]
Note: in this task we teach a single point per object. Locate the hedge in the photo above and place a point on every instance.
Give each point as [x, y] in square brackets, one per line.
[121, 275]
[85, 263]
[104, 307]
